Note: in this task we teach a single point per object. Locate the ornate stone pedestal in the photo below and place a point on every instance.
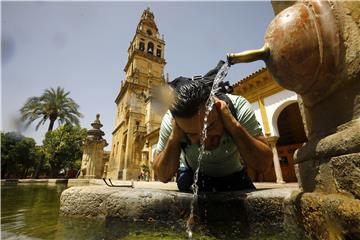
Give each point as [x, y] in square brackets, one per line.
[92, 165]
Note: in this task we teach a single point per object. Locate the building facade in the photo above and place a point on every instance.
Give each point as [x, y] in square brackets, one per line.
[136, 124]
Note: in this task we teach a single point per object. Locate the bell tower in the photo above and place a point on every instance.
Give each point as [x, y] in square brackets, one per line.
[134, 120]
[146, 50]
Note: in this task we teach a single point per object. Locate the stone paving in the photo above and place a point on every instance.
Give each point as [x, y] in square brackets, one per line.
[169, 185]
[137, 184]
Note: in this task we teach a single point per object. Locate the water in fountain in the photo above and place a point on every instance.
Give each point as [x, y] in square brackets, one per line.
[208, 107]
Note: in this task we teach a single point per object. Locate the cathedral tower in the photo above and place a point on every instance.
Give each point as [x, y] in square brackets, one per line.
[136, 126]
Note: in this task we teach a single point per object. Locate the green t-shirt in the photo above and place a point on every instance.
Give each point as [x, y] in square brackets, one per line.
[225, 159]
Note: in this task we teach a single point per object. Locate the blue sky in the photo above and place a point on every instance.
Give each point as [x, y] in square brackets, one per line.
[82, 46]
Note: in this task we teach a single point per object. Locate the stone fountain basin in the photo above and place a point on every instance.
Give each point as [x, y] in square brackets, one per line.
[289, 211]
[266, 210]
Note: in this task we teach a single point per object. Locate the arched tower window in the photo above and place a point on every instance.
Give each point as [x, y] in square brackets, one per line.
[123, 145]
[150, 48]
[149, 32]
[141, 46]
[158, 52]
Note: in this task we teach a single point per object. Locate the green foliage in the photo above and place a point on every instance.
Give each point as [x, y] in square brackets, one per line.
[145, 168]
[53, 105]
[18, 154]
[63, 148]
[146, 172]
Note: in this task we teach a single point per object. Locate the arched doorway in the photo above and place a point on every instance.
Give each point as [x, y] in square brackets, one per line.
[291, 137]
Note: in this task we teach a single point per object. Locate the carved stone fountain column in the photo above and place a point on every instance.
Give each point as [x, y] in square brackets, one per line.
[92, 165]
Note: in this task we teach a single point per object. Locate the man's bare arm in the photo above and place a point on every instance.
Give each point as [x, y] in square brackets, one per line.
[167, 162]
[254, 150]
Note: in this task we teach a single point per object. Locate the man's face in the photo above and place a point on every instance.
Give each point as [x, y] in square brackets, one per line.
[193, 126]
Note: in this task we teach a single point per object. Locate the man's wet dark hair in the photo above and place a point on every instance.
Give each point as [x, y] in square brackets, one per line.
[190, 95]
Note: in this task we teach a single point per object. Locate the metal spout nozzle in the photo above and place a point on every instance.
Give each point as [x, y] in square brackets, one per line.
[249, 56]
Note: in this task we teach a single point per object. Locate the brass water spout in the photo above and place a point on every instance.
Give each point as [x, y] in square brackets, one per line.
[301, 50]
[249, 56]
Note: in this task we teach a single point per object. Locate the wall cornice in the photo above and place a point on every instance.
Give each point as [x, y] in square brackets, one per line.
[257, 86]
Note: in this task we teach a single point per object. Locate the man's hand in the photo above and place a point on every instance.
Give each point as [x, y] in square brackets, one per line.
[229, 122]
[255, 151]
[177, 133]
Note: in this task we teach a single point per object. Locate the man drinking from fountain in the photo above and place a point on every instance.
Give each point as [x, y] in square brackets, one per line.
[233, 138]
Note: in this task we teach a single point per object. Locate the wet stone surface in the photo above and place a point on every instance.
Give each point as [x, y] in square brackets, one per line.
[330, 216]
[256, 211]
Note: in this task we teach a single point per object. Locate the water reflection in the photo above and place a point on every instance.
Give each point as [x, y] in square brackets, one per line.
[32, 212]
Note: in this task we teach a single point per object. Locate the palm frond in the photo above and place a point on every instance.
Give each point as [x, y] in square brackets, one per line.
[41, 122]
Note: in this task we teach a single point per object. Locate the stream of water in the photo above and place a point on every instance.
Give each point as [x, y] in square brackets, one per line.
[220, 76]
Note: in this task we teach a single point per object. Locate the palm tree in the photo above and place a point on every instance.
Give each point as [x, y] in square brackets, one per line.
[52, 105]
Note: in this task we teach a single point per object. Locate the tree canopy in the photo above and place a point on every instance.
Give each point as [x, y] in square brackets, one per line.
[18, 155]
[63, 148]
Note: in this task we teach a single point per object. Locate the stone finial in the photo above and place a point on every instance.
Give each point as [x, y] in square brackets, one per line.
[148, 19]
[95, 133]
[148, 14]
[97, 124]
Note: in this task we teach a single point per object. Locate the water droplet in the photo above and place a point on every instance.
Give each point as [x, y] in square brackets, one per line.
[190, 234]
